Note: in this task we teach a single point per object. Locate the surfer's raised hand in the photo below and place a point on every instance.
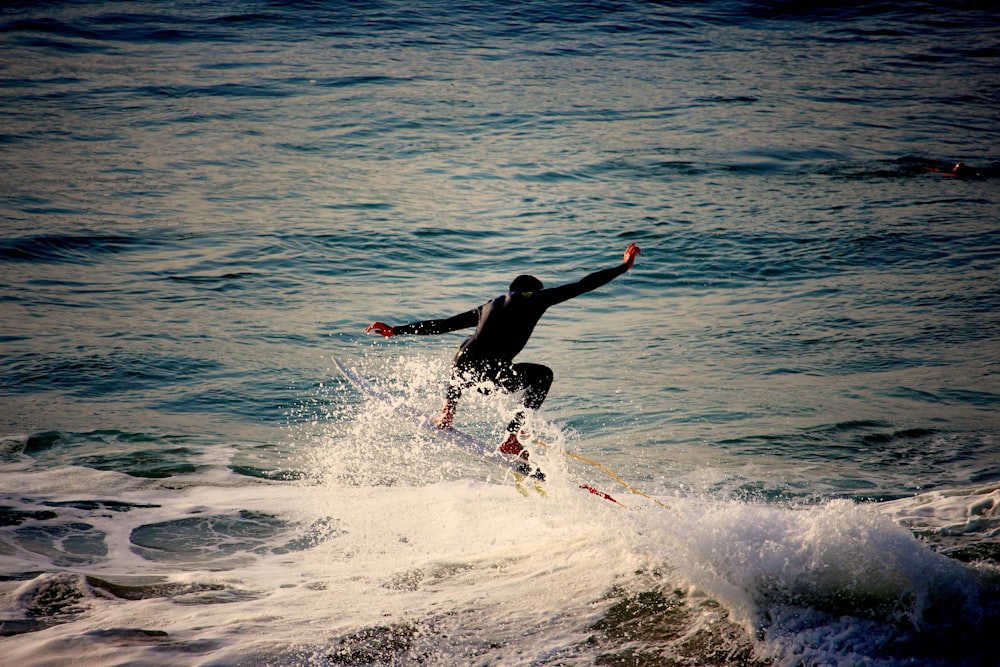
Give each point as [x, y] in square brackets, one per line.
[630, 252]
[381, 328]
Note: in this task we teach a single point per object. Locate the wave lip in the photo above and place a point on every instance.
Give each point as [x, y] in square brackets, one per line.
[839, 579]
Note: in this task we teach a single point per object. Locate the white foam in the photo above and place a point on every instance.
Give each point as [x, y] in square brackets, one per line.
[817, 579]
[437, 551]
[951, 512]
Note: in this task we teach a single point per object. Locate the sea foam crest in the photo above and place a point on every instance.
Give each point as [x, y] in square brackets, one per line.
[772, 563]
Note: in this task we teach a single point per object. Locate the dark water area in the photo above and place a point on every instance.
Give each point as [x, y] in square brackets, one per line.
[202, 204]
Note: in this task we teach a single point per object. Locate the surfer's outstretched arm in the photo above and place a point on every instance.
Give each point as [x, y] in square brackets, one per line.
[427, 327]
[594, 280]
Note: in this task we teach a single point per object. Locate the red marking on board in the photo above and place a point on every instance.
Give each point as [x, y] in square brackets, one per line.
[598, 493]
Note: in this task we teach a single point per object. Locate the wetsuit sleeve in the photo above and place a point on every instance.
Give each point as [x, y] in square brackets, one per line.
[432, 327]
[597, 279]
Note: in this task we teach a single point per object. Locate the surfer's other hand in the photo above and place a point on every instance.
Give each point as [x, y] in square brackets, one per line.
[630, 252]
[381, 328]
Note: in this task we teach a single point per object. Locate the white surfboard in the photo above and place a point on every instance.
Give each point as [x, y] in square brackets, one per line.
[469, 443]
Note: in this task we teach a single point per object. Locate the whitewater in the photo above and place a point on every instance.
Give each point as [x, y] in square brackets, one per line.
[793, 393]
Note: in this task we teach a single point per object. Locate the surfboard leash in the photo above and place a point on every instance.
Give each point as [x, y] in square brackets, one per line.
[606, 471]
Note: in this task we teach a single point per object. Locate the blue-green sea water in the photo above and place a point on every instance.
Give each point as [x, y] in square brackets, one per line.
[203, 204]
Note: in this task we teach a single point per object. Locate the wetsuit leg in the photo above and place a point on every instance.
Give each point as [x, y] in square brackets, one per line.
[466, 373]
[462, 377]
[535, 379]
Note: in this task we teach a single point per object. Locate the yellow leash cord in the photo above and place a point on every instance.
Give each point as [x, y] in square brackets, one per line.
[605, 470]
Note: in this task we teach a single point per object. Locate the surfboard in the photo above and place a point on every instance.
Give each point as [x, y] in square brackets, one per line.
[425, 421]
[465, 441]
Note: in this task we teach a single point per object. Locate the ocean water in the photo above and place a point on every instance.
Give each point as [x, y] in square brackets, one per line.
[204, 204]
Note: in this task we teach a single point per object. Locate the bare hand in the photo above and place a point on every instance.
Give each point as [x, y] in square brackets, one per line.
[381, 328]
[630, 253]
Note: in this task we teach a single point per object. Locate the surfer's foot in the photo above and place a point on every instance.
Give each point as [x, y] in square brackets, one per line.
[514, 449]
[447, 417]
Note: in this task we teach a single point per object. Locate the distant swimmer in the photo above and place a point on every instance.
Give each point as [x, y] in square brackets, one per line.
[958, 170]
[503, 327]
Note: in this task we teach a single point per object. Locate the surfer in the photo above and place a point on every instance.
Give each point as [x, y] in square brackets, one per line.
[958, 169]
[962, 170]
[503, 327]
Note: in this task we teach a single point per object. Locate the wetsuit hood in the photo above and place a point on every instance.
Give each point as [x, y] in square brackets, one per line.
[526, 284]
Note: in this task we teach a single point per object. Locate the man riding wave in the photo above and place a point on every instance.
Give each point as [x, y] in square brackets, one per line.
[503, 326]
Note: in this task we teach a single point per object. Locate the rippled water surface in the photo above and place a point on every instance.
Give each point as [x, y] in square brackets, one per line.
[203, 204]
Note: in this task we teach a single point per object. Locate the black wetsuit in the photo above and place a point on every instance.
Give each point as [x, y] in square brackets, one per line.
[503, 327]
